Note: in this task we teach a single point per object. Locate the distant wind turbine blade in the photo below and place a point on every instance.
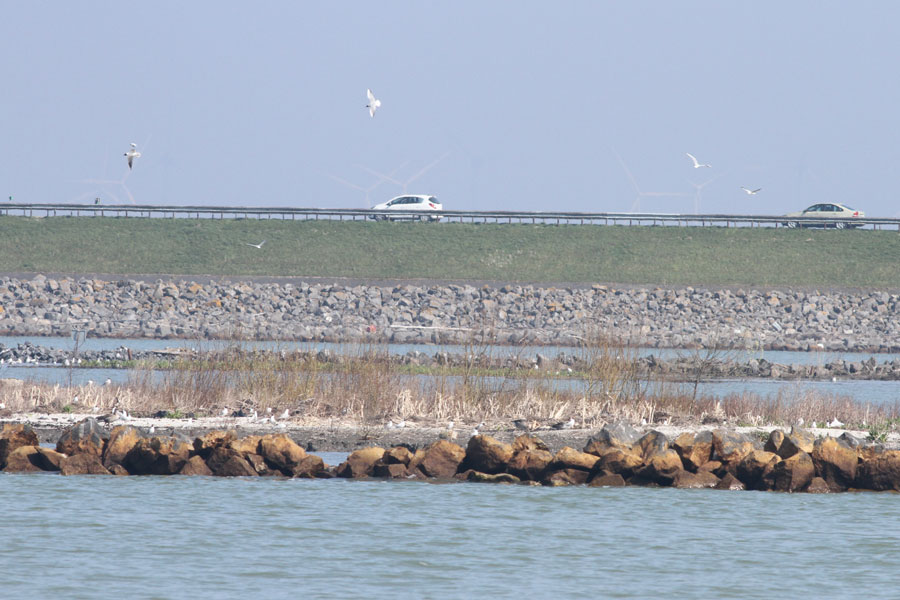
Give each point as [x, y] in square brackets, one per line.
[426, 168]
[380, 175]
[627, 171]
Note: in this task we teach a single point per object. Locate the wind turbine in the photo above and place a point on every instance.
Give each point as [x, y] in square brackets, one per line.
[369, 189]
[635, 206]
[106, 184]
[698, 191]
[404, 184]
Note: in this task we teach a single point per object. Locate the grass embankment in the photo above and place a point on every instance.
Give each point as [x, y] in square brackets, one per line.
[526, 253]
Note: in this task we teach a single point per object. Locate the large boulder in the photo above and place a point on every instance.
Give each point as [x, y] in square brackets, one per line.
[755, 470]
[281, 452]
[243, 446]
[818, 486]
[528, 442]
[442, 459]
[662, 467]
[485, 454]
[773, 444]
[235, 466]
[793, 474]
[569, 458]
[14, 436]
[606, 479]
[621, 461]
[361, 463]
[880, 471]
[688, 480]
[530, 463]
[24, 459]
[195, 466]
[651, 444]
[49, 459]
[730, 482]
[121, 440]
[205, 444]
[480, 477]
[567, 477]
[798, 440]
[85, 463]
[835, 462]
[617, 435]
[85, 437]
[158, 456]
[731, 447]
[309, 467]
[694, 450]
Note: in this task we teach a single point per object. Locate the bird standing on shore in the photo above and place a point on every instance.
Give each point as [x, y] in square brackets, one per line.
[132, 154]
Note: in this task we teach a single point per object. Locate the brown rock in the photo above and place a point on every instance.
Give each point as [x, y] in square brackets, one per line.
[795, 473]
[195, 466]
[880, 472]
[756, 470]
[479, 477]
[700, 479]
[776, 438]
[618, 435]
[390, 470]
[836, 462]
[694, 450]
[398, 455]
[606, 479]
[121, 440]
[118, 470]
[442, 459]
[485, 454]
[85, 437]
[49, 460]
[13, 437]
[730, 482]
[309, 467]
[243, 446]
[85, 463]
[259, 465]
[528, 442]
[567, 477]
[236, 466]
[157, 456]
[530, 463]
[623, 462]
[361, 463]
[24, 459]
[282, 453]
[818, 486]
[731, 447]
[569, 458]
[798, 440]
[713, 466]
[205, 444]
[662, 467]
[651, 444]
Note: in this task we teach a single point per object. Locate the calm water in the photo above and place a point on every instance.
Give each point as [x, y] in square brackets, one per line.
[156, 537]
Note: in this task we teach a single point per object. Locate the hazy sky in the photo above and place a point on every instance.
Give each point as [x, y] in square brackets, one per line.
[240, 103]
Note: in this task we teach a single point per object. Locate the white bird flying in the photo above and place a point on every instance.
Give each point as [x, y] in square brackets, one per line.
[697, 164]
[258, 246]
[132, 154]
[374, 103]
[751, 192]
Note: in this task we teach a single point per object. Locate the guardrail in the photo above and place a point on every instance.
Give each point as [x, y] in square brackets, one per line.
[481, 216]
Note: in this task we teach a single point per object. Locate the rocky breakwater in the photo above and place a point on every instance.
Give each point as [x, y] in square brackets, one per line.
[616, 456]
[510, 314]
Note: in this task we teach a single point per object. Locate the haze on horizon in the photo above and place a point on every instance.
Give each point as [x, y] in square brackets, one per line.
[233, 104]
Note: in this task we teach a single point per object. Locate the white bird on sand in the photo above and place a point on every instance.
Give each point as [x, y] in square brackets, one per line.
[835, 423]
[752, 192]
[390, 425]
[401, 424]
[285, 415]
[268, 410]
[257, 246]
[108, 381]
[132, 154]
[225, 411]
[153, 429]
[2, 405]
[697, 164]
[450, 425]
[374, 103]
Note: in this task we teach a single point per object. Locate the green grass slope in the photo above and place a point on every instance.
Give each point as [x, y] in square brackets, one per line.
[527, 253]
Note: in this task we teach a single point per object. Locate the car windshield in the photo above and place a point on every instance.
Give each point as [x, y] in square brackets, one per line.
[849, 207]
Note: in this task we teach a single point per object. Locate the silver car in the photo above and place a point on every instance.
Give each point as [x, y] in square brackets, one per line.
[410, 207]
[838, 216]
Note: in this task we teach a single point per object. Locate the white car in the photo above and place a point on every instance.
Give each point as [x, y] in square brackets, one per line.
[411, 207]
[829, 214]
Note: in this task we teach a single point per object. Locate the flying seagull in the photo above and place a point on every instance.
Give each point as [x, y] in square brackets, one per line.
[132, 154]
[697, 164]
[374, 103]
[259, 245]
[751, 192]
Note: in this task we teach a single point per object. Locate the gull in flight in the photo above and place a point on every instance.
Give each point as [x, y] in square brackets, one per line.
[374, 103]
[752, 192]
[259, 245]
[697, 164]
[132, 154]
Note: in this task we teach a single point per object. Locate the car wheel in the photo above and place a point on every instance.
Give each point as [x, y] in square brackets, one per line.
[840, 225]
[791, 224]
